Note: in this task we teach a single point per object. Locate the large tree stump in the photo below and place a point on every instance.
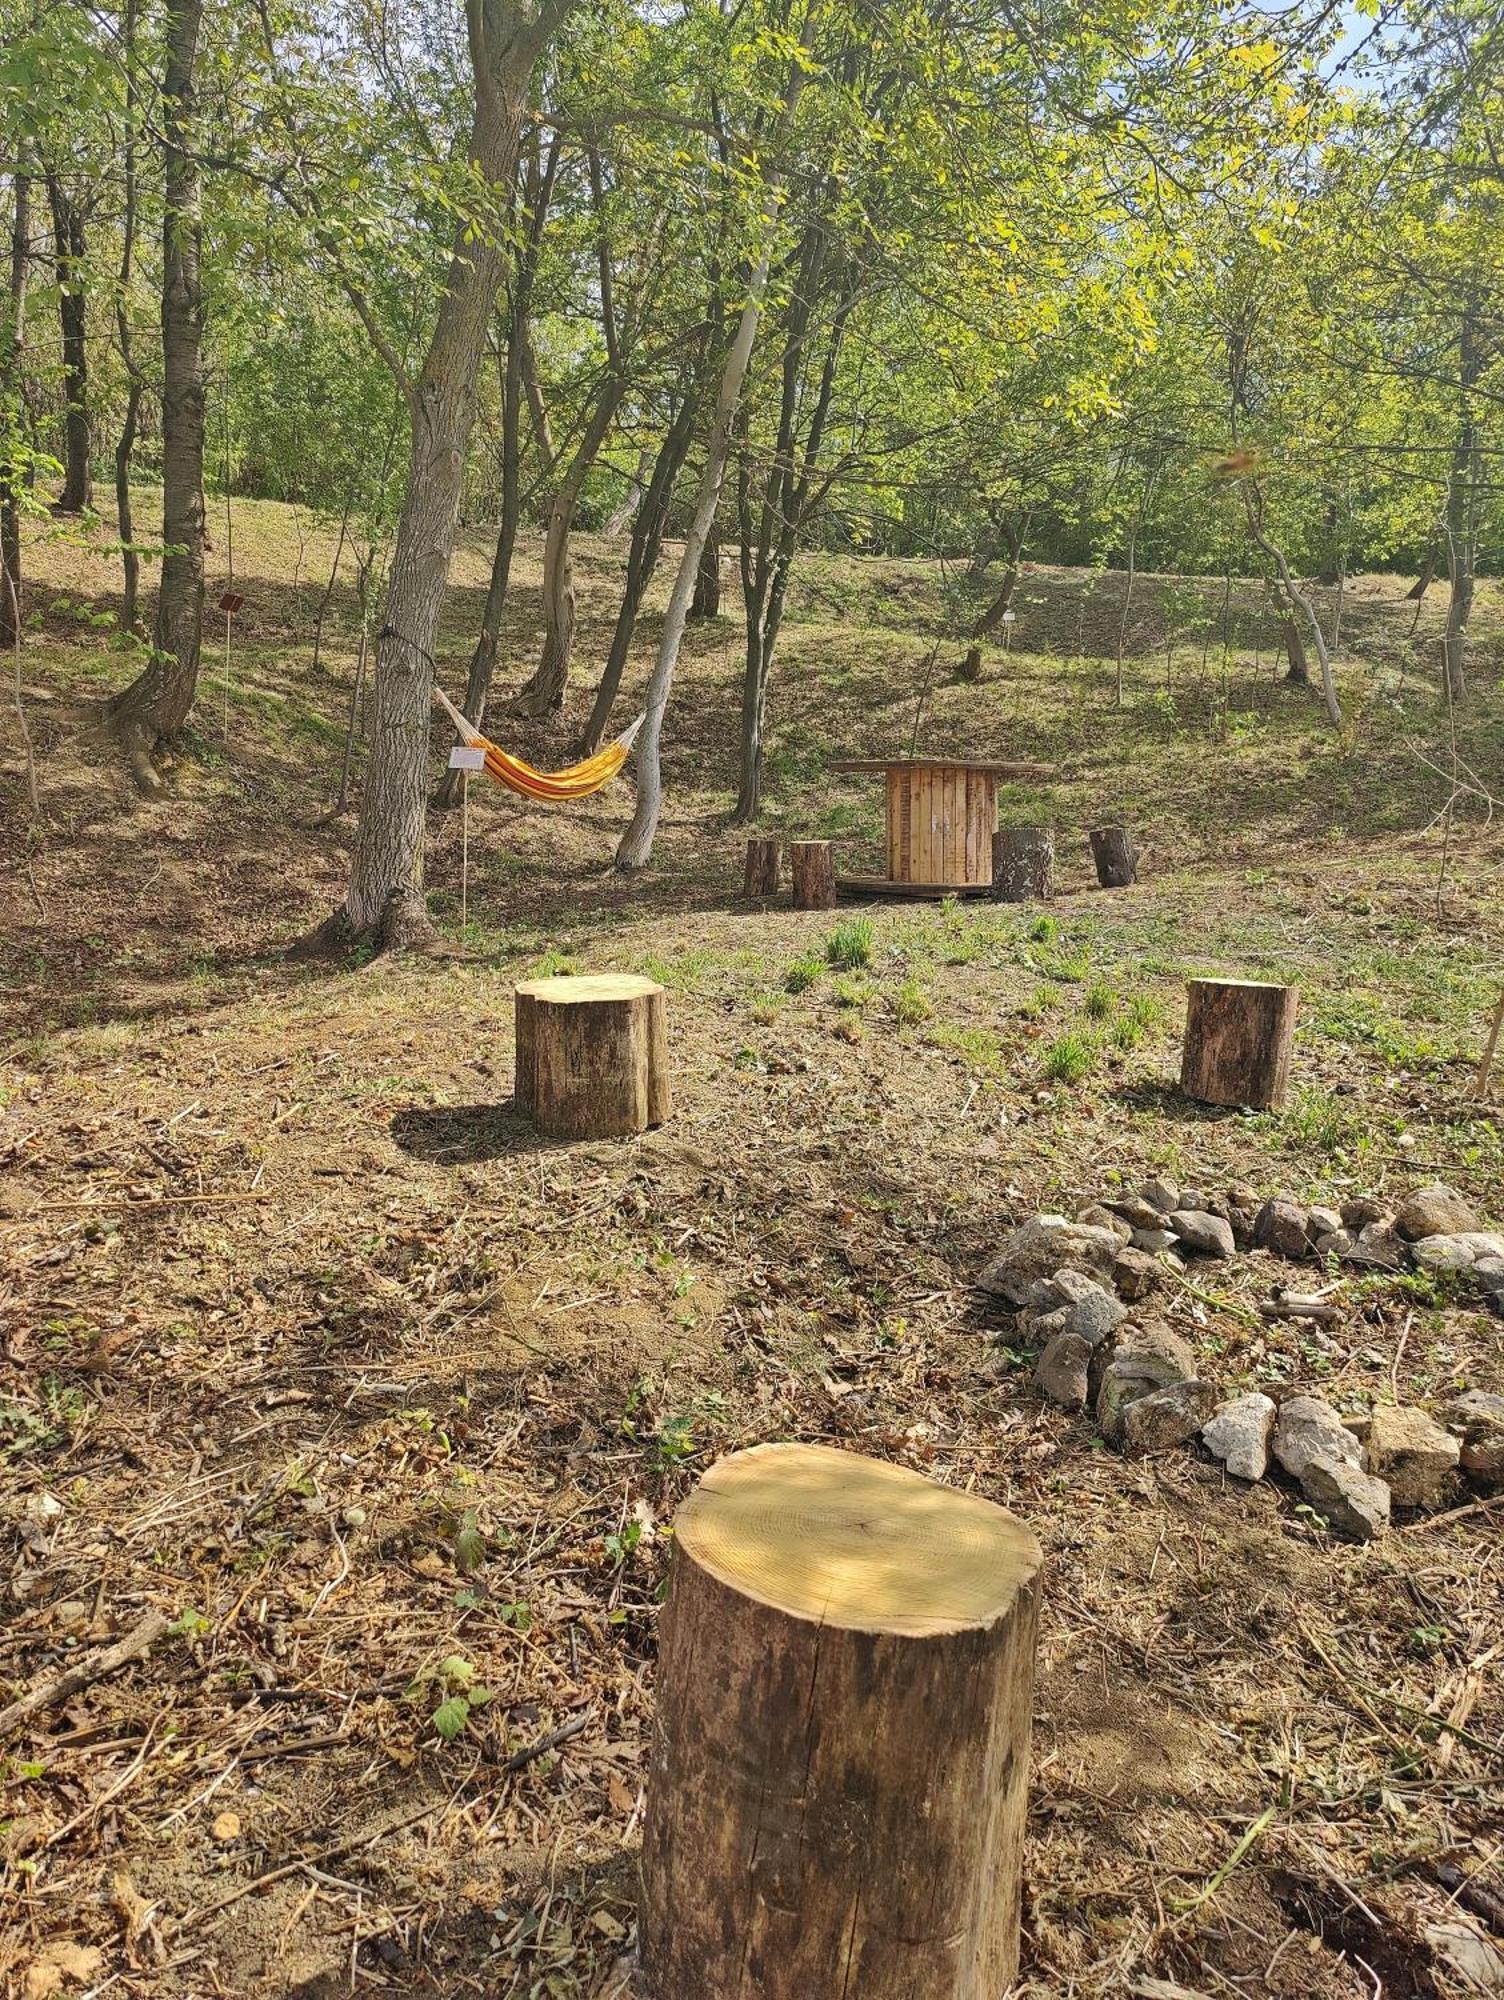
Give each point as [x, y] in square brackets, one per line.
[1023, 863]
[840, 1755]
[592, 1055]
[812, 864]
[1116, 856]
[764, 866]
[1238, 1036]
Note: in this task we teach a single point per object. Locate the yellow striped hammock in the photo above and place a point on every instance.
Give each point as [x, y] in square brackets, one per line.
[576, 781]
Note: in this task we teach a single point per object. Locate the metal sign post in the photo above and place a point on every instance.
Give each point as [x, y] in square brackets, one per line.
[465, 758]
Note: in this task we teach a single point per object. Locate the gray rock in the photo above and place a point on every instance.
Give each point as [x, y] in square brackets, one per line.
[1060, 1288]
[1090, 1318]
[1101, 1217]
[1135, 1274]
[1207, 1233]
[1337, 1243]
[1046, 1244]
[1137, 1212]
[1441, 1254]
[1474, 1961]
[1161, 1193]
[1353, 1501]
[1483, 1243]
[1143, 1360]
[1062, 1371]
[1154, 1240]
[1168, 1417]
[1308, 1431]
[1360, 1210]
[1238, 1434]
[1282, 1226]
[1379, 1247]
[1488, 1274]
[1242, 1221]
[1412, 1454]
[1322, 1222]
[1436, 1210]
[1201, 1202]
[1478, 1419]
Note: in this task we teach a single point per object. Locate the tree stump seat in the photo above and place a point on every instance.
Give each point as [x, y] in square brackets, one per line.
[812, 865]
[1238, 1038]
[592, 1055]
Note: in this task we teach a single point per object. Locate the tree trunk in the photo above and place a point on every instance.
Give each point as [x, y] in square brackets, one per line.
[1023, 863]
[1422, 583]
[706, 602]
[763, 868]
[156, 705]
[1294, 605]
[130, 561]
[1238, 1038]
[839, 1770]
[385, 899]
[1115, 855]
[636, 843]
[544, 693]
[1461, 514]
[592, 1055]
[623, 515]
[12, 361]
[812, 865]
[642, 559]
[1299, 669]
[70, 250]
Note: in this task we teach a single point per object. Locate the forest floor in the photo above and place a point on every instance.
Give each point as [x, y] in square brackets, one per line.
[312, 1346]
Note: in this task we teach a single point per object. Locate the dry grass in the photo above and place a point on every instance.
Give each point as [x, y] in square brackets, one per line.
[294, 1308]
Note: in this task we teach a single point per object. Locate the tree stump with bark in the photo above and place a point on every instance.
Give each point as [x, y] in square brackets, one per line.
[763, 870]
[970, 668]
[1113, 851]
[812, 864]
[1023, 863]
[1238, 1038]
[840, 1754]
[592, 1055]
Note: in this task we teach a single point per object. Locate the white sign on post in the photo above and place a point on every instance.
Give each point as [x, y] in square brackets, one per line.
[467, 757]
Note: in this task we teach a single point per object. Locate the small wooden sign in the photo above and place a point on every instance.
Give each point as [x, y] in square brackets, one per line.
[467, 757]
[231, 601]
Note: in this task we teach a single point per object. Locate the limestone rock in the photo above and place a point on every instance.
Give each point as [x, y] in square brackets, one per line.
[1322, 1222]
[1135, 1274]
[1441, 1254]
[1337, 1243]
[1282, 1226]
[1043, 1245]
[1478, 1419]
[1207, 1233]
[1436, 1210]
[1144, 1359]
[1162, 1194]
[1164, 1418]
[1360, 1210]
[1062, 1371]
[1137, 1211]
[1308, 1431]
[1242, 1219]
[1379, 1247]
[1153, 1240]
[1090, 1317]
[1483, 1243]
[1353, 1501]
[1488, 1274]
[1238, 1434]
[1412, 1454]
[1102, 1217]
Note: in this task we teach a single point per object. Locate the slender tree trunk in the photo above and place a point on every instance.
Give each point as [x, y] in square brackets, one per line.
[1296, 607]
[626, 513]
[12, 402]
[706, 602]
[130, 561]
[1299, 670]
[1422, 583]
[1013, 536]
[385, 899]
[156, 705]
[70, 250]
[1461, 514]
[642, 560]
[636, 844]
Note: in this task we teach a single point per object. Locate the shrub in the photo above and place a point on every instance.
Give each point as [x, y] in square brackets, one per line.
[849, 945]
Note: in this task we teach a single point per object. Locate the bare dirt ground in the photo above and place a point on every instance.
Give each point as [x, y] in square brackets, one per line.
[313, 1347]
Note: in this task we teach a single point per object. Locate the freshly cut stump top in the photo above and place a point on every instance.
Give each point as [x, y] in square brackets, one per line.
[592, 1054]
[849, 1542]
[587, 989]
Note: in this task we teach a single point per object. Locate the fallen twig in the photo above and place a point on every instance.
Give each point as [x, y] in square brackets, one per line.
[520, 1759]
[131, 1647]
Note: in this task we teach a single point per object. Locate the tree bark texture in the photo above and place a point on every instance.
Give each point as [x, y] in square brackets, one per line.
[12, 406]
[839, 1767]
[707, 598]
[1238, 1039]
[812, 865]
[592, 1055]
[70, 250]
[385, 898]
[763, 869]
[157, 703]
[130, 561]
[1023, 863]
[1462, 513]
[1115, 856]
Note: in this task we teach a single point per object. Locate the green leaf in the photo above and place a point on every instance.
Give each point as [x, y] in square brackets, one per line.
[450, 1717]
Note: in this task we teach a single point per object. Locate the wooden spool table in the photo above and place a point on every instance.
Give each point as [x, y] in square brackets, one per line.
[942, 814]
[840, 1752]
[592, 1055]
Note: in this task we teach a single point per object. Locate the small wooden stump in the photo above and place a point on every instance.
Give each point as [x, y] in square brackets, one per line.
[592, 1055]
[1023, 863]
[840, 1754]
[812, 864]
[1238, 1037]
[1116, 856]
[764, 866]
[970, 668]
